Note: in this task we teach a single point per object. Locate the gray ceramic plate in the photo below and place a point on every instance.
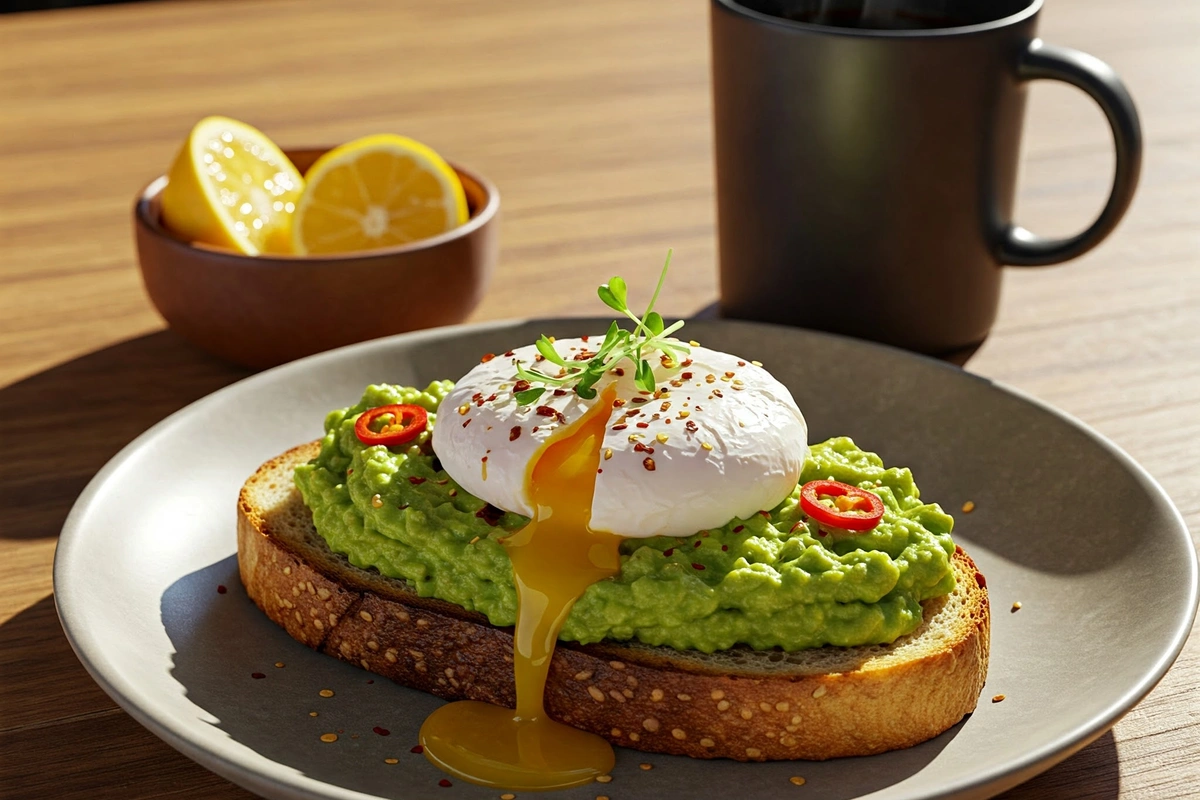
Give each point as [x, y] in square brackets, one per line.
[1064, 522]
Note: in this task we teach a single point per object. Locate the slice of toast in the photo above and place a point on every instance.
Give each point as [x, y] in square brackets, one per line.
[742, 704]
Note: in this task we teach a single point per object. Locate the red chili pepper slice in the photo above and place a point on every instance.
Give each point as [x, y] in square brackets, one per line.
[407, 424]
[856, 509]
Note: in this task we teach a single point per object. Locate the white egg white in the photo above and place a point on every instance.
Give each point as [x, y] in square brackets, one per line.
[735, 441]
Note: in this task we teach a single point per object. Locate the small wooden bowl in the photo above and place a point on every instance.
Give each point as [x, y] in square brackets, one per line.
[260, 311]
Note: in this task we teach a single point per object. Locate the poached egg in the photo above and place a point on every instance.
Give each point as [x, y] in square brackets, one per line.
[719, 438]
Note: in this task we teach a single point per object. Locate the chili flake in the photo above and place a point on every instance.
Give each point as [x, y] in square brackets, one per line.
[490, 514]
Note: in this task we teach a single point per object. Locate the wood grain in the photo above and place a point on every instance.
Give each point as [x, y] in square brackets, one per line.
[594, 119]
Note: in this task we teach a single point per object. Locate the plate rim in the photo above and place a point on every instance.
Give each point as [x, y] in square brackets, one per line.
[257, 773]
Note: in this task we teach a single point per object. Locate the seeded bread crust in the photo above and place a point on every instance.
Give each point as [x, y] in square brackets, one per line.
[741, 704]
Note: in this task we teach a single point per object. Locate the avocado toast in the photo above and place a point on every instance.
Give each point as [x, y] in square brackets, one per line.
[740, 703]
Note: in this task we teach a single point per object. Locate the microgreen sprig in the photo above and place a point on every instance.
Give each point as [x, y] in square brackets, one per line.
[649, 336]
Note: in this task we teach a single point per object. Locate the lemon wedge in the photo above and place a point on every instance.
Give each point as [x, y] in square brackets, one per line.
[232, 186]
[378, 191]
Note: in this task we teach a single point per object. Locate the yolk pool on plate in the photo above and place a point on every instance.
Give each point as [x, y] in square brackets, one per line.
[554, 558]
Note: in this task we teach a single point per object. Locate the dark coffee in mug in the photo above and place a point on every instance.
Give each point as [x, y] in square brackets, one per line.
[866, 155]
[897, 15]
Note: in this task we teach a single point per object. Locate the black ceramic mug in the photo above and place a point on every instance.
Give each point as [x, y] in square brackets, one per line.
[867, 155]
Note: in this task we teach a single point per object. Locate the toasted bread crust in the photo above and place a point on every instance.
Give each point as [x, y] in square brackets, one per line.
[651, 699]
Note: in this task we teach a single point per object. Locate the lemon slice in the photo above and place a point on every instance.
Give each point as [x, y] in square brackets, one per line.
[232, 186]
[378, 191]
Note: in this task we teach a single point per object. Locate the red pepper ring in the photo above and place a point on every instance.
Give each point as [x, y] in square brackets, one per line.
[859, 511]
[407, 423]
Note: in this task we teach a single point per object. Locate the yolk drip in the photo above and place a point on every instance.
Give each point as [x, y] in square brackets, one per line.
[554, 558]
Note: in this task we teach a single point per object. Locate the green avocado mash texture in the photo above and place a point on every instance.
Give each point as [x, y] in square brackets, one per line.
[768, 581]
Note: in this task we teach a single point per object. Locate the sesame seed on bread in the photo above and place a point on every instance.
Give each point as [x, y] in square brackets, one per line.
[740, 703]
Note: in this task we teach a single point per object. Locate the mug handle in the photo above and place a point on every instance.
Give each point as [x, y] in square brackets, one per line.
[1039, 61]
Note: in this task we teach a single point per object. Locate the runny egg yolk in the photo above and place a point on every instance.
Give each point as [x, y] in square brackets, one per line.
[555, 558]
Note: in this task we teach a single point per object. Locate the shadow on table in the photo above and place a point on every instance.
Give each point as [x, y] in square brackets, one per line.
[1094, 773]
[60, 426]
[222, 641]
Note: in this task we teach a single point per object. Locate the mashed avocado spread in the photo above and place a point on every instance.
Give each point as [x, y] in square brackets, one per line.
[768, 581]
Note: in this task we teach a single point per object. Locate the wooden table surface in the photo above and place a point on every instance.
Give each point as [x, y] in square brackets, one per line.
[594, 119]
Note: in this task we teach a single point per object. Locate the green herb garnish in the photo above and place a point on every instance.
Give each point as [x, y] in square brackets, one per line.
[648, 337]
